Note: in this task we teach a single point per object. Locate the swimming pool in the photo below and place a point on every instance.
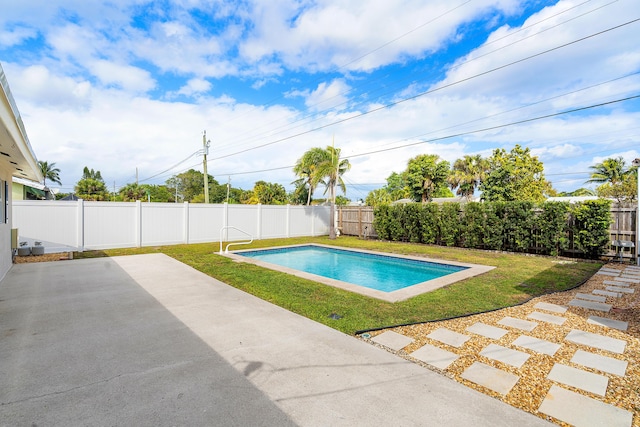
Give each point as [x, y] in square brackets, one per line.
[384, 276]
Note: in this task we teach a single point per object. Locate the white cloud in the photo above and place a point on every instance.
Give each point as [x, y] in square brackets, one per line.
[129, 78]
[16, 35]
[195, 86]
[36, 84]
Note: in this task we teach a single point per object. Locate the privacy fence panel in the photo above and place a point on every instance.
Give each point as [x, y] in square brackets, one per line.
[50, 221]
[203, 222]
[162, 223]
[106, 225]
[110, 225]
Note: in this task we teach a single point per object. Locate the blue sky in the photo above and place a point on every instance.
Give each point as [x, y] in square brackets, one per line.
[125, 85]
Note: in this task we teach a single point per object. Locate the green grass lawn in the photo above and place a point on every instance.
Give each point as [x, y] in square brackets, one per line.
[515, 279]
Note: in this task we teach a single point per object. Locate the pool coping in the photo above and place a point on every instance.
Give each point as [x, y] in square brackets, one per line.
[394, 296]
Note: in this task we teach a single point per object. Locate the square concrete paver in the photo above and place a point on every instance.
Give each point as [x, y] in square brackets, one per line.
[619, 289]
[602, 342]
[599, 362]
[448, 336]
[554, 308]
[606, 293]
[590, 297]
[525, 325]
[609, 323]
[492, 378]
[579, 410]
[539, 346]
[435, 356]
[591, 305]
[393, 340]
[488, 331]
[549, 318]
[574, 377]
[505, 355]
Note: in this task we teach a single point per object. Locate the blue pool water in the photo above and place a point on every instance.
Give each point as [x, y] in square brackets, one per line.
[381, 272]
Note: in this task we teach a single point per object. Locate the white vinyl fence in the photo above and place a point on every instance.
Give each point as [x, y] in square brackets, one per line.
[108, 225]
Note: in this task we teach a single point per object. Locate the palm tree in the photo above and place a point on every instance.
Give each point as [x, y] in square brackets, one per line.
[467, 174]
[50, 172]
[330, 171]
[612, 171]
[306, 168]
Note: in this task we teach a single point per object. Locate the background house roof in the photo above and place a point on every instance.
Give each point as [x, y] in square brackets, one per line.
[16, 154]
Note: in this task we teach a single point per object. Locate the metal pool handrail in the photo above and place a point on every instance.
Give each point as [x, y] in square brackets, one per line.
[226, 250]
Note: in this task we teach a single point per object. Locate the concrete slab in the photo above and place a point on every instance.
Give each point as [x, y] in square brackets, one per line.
[631, 273]
[505, 355]
[147, 340]
[487, 331]
[606, 293]
[554, 308]
[590, 297]
[549, 318]
[492, 378]
[609, 323]
[537, 345]
[617, 283]
[620, 289]
[591, 305]
[614, 270]
[628, 280]
[512, 322]
[449, 337]
[608, 273]
[587, 381]
[602, 342]
[583, 411]
[435, 356]
[393, 340]
[599, 362]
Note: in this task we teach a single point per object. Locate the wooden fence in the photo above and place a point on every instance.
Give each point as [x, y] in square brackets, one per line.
[358, 221]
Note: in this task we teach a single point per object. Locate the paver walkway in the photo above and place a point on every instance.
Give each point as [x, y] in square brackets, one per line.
[581, 363]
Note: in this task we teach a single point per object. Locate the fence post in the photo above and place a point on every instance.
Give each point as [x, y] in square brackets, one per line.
[259, 221]
[288, 219]
[80, 225]
[313, 221]
[138, 227]
[186, 222]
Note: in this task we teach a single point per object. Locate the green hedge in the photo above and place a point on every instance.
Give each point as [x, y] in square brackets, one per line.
[549, 228]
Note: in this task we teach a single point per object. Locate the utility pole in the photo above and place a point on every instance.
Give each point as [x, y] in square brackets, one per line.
[205, 151]
[228, 187]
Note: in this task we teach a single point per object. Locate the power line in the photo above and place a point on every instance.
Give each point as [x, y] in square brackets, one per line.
[317, 114]
[518, 122]
[430, 91]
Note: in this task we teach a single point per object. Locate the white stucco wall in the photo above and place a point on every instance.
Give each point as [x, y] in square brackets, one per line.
[5, 227]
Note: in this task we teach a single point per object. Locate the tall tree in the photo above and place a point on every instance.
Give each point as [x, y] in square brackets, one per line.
[467, 174]
[425, 175]
[329, 171]
[307, 167]
[50, 172]
[515, 175]
[189, 186]
[91, 186]
[611, 171]
[268, 193]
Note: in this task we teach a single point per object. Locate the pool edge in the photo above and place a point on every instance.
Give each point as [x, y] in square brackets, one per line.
[399, 295]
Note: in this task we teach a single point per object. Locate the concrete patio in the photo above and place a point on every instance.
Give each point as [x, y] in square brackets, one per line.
[147, 340]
